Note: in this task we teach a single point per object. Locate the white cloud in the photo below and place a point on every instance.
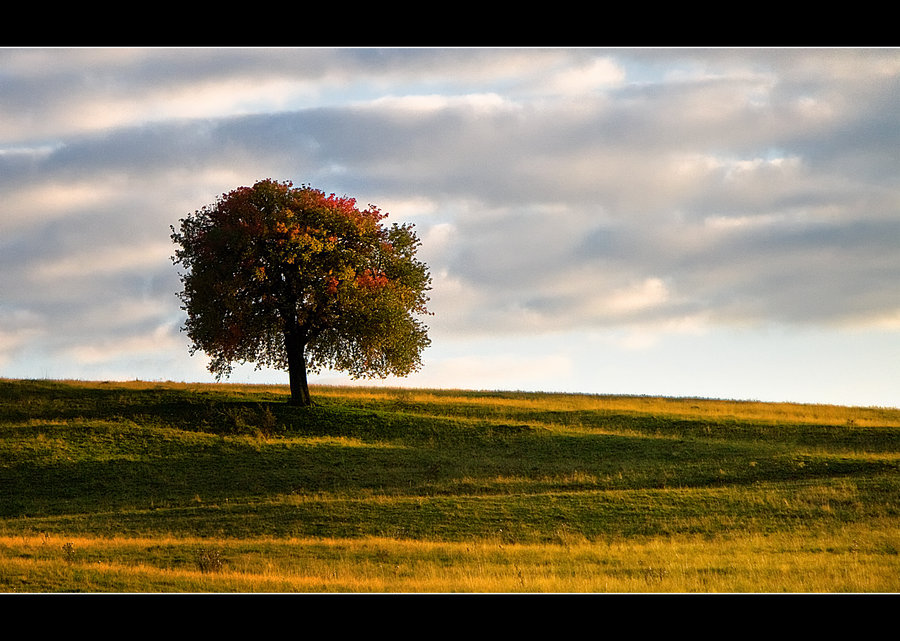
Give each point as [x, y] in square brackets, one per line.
[516, 370]
[646, 294]
[644, 336]
[158, 341]
[599, 73]
[44, 202]
[479, 103]
[18, 328]
[888, 320]
[226, 97]
[437, 243]
[109, 260]
[408, 208]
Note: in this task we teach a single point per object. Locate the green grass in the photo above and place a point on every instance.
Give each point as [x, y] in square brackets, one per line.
[128, 487]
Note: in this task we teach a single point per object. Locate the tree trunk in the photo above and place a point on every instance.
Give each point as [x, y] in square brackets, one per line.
[294, 344]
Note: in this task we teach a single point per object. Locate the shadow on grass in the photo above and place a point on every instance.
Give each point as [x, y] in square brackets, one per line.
[168, 460]
[106, 467]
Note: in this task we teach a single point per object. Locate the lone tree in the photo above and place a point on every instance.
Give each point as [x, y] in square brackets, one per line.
[290, 278]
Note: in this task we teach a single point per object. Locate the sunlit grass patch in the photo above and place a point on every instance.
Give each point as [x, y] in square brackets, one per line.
[500, 402]
[851, 559]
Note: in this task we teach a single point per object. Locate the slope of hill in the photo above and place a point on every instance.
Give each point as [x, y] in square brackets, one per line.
[179, 487]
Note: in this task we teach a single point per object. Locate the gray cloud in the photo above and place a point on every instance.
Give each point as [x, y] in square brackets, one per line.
[740, 186]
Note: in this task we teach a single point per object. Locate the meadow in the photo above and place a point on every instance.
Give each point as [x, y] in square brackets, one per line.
[170, 487]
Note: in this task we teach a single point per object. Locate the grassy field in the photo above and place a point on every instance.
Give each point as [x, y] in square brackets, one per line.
[166, 487]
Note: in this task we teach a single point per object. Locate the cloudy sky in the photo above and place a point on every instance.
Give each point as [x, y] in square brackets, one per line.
[713, 223]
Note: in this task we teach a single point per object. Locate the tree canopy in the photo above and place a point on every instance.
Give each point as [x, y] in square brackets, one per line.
[291, 278]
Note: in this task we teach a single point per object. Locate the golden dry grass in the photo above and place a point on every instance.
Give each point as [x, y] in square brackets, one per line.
[850, 560]
[816, 414]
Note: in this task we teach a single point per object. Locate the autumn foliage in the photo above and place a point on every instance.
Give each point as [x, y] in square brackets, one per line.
[292, 278]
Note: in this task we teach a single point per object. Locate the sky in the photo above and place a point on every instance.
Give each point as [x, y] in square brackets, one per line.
[713, 223]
